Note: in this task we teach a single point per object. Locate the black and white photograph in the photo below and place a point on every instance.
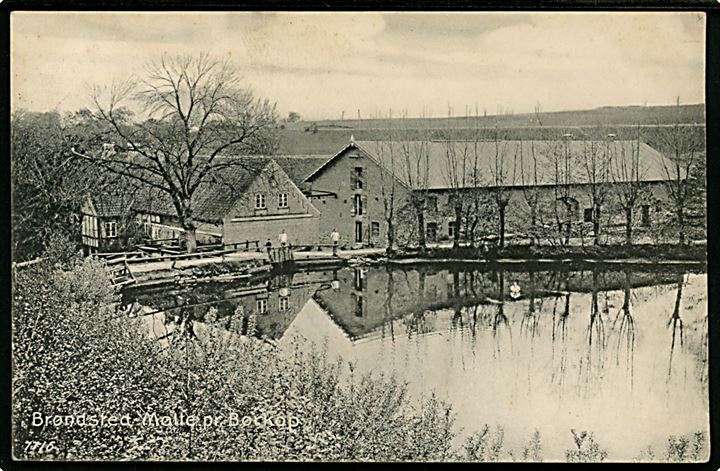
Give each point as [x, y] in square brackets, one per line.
[359, 236]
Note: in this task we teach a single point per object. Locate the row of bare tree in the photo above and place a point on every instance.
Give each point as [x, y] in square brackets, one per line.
[479, 183]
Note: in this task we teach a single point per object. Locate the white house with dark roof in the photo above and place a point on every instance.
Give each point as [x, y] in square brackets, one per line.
[252, 201]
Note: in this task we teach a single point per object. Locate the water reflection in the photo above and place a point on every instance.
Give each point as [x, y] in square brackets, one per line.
[676, 323]
[612, 351]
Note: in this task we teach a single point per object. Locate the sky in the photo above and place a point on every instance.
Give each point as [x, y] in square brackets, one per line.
[419, 64]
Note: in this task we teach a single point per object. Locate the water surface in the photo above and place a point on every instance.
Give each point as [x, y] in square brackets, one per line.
[622, 352]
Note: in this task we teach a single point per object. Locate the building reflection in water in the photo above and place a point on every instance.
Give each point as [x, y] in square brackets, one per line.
[496, 343]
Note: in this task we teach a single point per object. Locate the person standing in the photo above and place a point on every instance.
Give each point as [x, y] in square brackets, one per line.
[335, 238]
[283, 238]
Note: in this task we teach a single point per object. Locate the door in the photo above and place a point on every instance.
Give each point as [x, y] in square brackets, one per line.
[358, 232]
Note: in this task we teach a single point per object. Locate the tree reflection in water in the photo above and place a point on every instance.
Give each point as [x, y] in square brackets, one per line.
[676, 323]
[500, 325]
[530, 320]
[625, 346]
[457, 320]
[559, 334]
[591, 366]
[388, 311]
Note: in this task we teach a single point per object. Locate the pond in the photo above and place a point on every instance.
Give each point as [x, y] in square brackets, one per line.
[621, 352]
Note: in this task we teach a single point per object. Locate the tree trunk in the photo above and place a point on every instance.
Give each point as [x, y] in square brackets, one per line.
[568, 224]
[472, 230]
[502, 225]
[421, 227]
[190, 239]
[458, 220]
[390, 237]
[681, 225]
[596, 224]
[628, 225]
[533, 224]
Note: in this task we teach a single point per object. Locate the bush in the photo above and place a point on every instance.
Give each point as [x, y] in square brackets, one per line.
[74, 354]
[484, 445]
[586, 450]
[686, 448]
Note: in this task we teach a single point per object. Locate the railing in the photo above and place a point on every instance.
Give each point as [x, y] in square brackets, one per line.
[280, 255]
[246, 246]
[183, 256]
[28, 262]
[311, 247]
[120, 273]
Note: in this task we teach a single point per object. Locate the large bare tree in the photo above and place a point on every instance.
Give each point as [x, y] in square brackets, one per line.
[561, 159]
[683, 147]
[627, 175]
[194, 111]
[595, 167]
[502, 180]
[386, 152]
[531, 175]
[457, 173]
[414, 168]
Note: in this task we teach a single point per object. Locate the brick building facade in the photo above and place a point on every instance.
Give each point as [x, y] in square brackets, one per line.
[352, 188]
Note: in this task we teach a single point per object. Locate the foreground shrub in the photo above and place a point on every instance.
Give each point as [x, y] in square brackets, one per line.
[686, 448]
[586, 449]
[74, 355]
[484, 445]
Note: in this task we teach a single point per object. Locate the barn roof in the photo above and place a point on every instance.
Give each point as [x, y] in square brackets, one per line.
[111, 204]
[452, 164]
[216, 196]
[299, 167]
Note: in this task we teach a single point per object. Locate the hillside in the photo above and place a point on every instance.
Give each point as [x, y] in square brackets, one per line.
[328, 136]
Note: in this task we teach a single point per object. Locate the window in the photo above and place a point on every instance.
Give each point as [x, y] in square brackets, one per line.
[90, 230]
[431, 231]
[358, 232]
[259, 201]
[110, 229]
[261, 306]
[358, 205]
[358, 302]
[90, 226]
[360, 279]
[645, 215]
[150, 230]
[432, 203]
[588, 215]
[356, 178]
[451, 229]
[283, 200]
[375, 228]
[283, 303]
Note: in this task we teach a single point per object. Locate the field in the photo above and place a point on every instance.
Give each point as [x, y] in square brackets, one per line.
[329, 136]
